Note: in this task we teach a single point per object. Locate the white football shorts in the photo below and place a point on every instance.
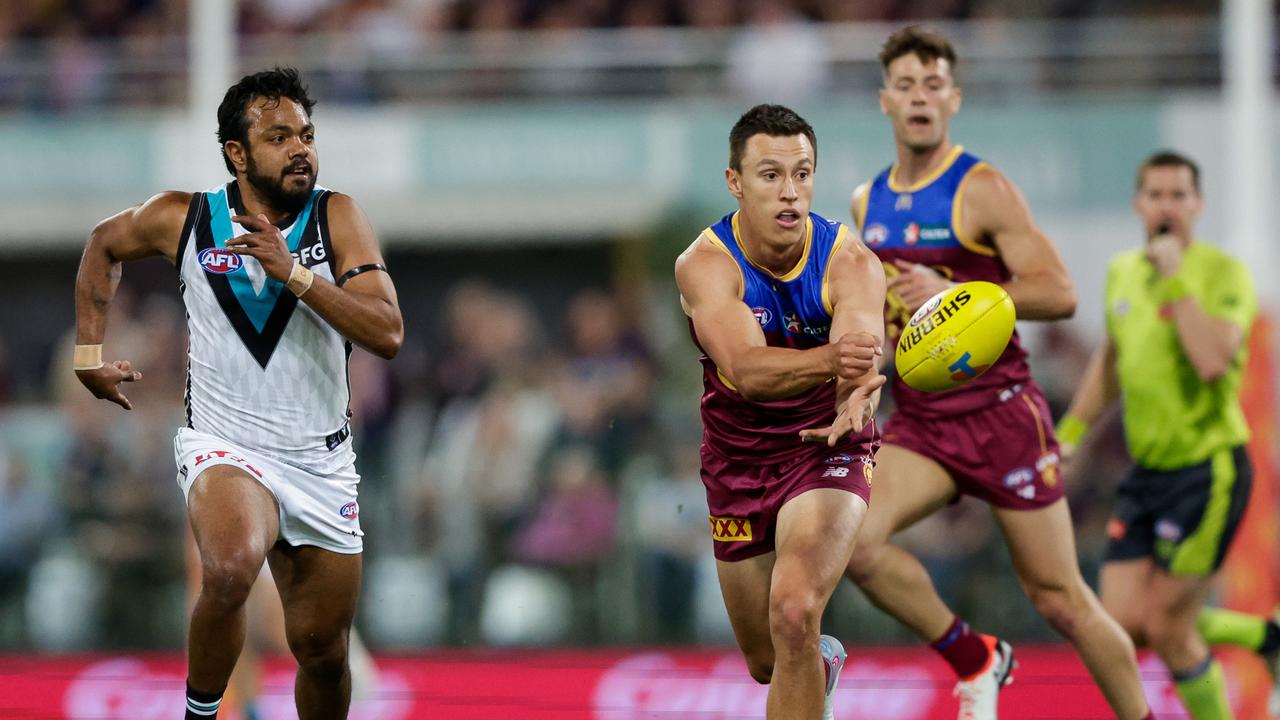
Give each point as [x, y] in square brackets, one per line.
[314, 510]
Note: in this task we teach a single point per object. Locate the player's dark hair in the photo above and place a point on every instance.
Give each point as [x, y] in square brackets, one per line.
[771, 120]
[273, 84]
[1168, 158]
[915, 40]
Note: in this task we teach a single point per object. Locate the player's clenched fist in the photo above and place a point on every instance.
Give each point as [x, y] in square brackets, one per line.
[854, 354]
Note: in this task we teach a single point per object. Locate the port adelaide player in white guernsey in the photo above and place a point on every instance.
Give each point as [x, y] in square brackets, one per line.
[280, 276]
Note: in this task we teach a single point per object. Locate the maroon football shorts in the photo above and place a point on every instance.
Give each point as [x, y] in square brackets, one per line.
[1005, 454]
[744, 498]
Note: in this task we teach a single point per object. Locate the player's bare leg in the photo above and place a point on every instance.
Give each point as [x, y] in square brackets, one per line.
[775, 601]
[908, 488]
[1122, 584]
[1166, 611]
[745, 585]
[1042, 545]
[265, 637]
[235, 521]
[816, 533]
[318, 589]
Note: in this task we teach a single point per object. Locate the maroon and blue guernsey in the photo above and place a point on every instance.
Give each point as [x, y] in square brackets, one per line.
[922, 224]
[794, 311]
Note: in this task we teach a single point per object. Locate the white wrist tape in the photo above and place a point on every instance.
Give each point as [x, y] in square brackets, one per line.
[87, 357]
[300, 279]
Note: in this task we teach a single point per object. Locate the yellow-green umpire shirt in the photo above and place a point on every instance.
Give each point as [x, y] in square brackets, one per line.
[1172, 418]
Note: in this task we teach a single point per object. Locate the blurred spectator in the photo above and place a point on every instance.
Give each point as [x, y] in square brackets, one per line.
[471, 352]
[606, 388]
[710, 15]
[383, 29]
[290, 16]
[573, 529]
[493, 15]
[128, 53]
[27, 516]
[669, 521]
[124, 517]
[863, 11]
[78, 69]
[575, 524]
[1060, 360]
[116, 18]
[479, 475]
[124, 510]
[6, 376]
[778, 56]
[374, 404]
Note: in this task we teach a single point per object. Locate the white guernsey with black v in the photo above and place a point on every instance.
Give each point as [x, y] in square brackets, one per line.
[267, 388]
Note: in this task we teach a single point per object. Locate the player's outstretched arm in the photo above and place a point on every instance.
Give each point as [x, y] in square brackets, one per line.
[362, 305]
[856, 284]
[1099, 388]
[151, 228]
[994, 209]
[710, 291]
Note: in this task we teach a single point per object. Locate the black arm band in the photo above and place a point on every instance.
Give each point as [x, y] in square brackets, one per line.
[357, 270]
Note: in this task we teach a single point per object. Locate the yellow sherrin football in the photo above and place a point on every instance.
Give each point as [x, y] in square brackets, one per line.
[955, 336]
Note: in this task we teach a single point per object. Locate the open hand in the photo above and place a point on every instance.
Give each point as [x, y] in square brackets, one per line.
[104, 382]
[858, 410]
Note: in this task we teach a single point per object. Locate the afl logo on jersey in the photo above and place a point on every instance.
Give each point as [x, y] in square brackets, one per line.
[876, 234]
[350, 511]
[219, 261]
[911, 235]
[763, 316]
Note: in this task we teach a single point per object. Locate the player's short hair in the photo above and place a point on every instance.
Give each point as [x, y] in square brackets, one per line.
[273, 84]
[771, 120]
[1168, 158]
[915, 40]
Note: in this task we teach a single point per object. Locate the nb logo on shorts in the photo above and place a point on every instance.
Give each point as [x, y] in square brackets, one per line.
[730, 529]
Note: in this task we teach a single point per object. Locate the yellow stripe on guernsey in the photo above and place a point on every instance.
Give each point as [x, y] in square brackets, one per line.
[860, 217]
[924, 182]
[826, 272]
[791, 274]
[957, 224]
[725, 379]
[715, 240]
